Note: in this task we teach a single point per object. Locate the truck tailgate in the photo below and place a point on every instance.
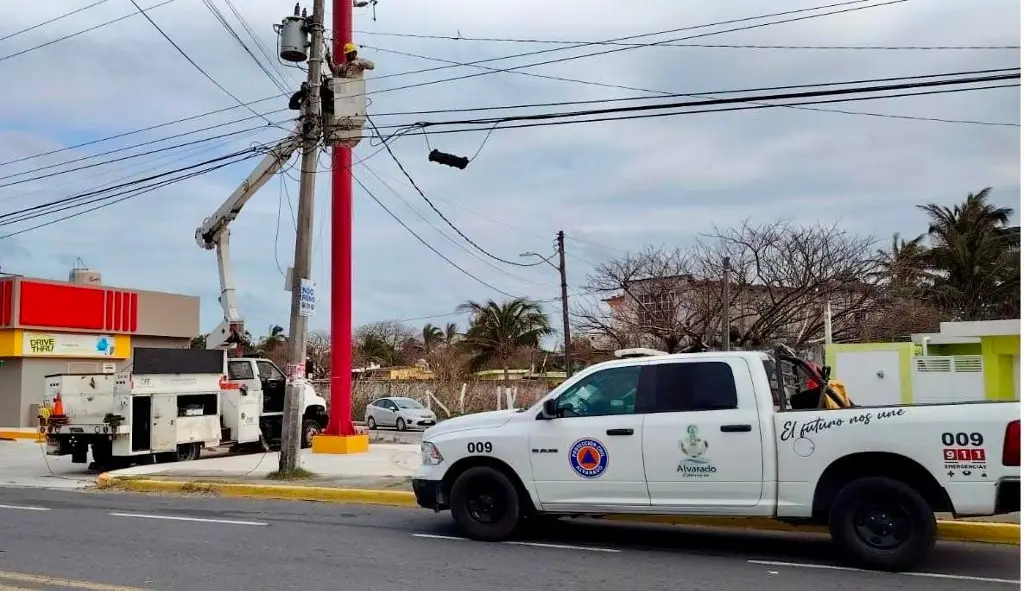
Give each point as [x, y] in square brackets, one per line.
[86, 398]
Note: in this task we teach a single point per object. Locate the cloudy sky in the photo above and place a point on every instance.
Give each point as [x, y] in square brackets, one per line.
[612, 187]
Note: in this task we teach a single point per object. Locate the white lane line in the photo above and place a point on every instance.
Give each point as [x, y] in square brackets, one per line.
[180, 518]
[517, 543]
[565, 547]
[906, 574]
[24, 508]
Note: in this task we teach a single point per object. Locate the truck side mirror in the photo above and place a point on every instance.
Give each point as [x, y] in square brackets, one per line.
[549, 410]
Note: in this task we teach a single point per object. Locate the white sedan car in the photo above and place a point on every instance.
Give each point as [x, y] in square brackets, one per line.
[399, 412]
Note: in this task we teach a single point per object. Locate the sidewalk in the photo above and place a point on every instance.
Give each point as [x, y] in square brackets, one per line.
[387, 466]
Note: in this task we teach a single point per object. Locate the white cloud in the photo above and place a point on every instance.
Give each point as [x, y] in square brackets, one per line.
[614, 185]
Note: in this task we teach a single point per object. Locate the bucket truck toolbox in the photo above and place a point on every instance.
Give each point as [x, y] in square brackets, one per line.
[84, 401]
[172, 399]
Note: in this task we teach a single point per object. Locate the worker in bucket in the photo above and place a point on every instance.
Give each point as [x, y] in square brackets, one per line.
[353, 66]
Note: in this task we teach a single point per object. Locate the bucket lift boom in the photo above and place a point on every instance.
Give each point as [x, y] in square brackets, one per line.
[215, 233]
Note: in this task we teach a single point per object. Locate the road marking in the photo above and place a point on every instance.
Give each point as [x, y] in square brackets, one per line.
[58, 582]
[517, 543]
[906, 574]
[181, 518]
[24, 508]
[565, 547]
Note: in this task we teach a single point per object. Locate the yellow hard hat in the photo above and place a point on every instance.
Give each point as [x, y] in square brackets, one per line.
[349, 48]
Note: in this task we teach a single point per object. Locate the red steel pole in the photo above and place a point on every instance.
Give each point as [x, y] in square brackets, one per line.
[341, 256]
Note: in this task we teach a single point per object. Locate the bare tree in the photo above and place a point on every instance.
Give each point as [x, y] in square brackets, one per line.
[318, 354]
[384, 342]
[655, 300]
[782, 276]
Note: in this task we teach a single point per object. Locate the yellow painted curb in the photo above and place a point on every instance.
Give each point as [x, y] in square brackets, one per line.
[950, 531]
[263, 491]
[28, 435]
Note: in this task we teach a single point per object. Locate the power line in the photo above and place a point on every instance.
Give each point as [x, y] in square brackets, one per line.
[128, 157]
[438, 211]
[993, 77]
[191, 61]
[425, 243]
[619, 86]
[441, 232]
[276, 96]
[271, 57]
[146, 143]
[52, 20]
[83, 31]
[698, 45]
[132, 194]
[88, 194]
[620, 49]
[274, 79]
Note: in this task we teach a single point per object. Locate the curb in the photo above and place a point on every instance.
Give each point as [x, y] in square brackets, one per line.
[282, 492]
[949, 531]
[23, 435]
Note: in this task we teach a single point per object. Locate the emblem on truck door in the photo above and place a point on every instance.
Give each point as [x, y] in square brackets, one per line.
[694, 465]
[588, 458]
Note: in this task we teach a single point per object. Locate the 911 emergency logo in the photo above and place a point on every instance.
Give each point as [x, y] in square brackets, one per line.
[588, 458]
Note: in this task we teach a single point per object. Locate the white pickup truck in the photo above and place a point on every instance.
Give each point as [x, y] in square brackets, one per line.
[706, 434]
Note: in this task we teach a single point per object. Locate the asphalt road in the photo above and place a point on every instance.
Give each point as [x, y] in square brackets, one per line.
[53, 539]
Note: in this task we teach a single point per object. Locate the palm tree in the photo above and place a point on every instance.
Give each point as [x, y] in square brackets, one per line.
[975, 257]
[497, 331]
[434, 336]
[904, 267]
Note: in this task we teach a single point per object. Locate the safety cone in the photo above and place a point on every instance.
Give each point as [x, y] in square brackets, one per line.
[57, 416]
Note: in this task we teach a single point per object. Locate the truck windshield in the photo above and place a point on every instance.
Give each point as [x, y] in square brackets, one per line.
[407, 403]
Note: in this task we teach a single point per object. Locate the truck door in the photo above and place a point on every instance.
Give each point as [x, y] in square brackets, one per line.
[163, 435]
[702, 444]
[591, 454]
[273, 386]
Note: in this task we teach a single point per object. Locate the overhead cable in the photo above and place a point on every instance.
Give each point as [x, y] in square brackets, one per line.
[52, 20]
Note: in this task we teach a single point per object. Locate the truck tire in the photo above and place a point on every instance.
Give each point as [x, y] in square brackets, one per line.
[187, 452]
[882, 524]
[485, 504]
[310, 427]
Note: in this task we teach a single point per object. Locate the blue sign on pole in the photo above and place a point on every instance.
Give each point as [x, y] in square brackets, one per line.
[307, 297]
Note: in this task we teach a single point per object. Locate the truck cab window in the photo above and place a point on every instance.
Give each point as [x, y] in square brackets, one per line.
[268, 372]
[240, 370]
[686, 387]
[608, 392]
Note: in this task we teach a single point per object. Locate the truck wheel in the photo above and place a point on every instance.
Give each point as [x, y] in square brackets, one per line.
[485, 504]
[882, 524]
[187, 452]
[309, 428]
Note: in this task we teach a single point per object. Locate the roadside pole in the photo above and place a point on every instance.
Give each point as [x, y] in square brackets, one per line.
[726, 305]
[340, 423]
[297, 327]
[565, 304]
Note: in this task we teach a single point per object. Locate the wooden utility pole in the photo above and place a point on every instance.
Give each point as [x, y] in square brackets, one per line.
[726, 323]
[565, 303]
[297, 327]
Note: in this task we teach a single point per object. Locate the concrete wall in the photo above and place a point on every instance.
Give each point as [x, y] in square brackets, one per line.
[10, 393]
[168, 315]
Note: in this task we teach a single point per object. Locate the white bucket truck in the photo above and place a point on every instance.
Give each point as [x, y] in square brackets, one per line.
[172, 404]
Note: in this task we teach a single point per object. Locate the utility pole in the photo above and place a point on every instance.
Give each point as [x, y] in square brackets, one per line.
[565, 304]
[726, 324]
[340, 423]
[297, 326]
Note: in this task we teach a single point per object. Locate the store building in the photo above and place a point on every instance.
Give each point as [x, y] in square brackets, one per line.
[79, 326]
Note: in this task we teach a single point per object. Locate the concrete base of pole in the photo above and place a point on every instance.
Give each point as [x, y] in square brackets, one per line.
[341, 444]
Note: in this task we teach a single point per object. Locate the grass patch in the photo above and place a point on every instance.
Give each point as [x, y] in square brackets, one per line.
[294, 474]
